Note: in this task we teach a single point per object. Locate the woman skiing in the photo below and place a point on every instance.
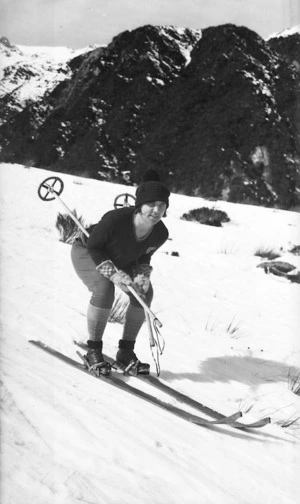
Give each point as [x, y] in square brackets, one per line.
[118, 252]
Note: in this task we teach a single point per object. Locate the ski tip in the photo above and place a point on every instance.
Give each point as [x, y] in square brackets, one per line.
[260, 423]
[264, 421]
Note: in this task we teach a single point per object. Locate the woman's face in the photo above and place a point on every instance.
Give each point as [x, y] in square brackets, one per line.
[153, 211]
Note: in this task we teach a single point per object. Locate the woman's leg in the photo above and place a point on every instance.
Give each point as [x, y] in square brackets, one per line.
[135, 316]
[99, 309]
[102, 292]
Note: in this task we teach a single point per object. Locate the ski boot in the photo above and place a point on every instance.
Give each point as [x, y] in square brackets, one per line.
[128, 361]
[94, 359]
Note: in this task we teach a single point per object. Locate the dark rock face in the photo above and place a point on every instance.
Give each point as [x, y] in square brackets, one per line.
[287, 46]
[215, 112]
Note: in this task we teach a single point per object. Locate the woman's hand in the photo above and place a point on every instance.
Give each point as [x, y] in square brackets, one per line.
[118, 277]
[141, 278]
[141, 283]
[121, 280]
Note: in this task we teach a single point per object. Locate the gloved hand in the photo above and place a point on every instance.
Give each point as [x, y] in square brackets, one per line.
[122, 280]
[118, 277]
[141, 279]
[141, 283]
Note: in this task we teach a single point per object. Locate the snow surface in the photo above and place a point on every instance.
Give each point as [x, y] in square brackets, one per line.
[232, 338]
[28, 72]
[56, 53]
[184, 48]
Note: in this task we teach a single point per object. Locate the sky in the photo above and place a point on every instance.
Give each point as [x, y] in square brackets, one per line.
[78, 23]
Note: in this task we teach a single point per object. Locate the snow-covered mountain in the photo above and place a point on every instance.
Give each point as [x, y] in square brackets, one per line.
[294, 30]
[287, 43]
[28, 74]
[215, 110]
[232, 342]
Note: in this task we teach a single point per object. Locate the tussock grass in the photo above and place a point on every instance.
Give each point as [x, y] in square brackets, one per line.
[294, 380]
[229, 248]
[233, 328]
[119, 308]
[292, 422]
[208, 216]
[266, 253]
[66, 227]
[211, 324]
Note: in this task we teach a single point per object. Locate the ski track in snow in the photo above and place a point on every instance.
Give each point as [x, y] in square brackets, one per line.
[232, 336]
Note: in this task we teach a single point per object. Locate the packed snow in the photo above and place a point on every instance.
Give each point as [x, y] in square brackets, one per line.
[232, 342]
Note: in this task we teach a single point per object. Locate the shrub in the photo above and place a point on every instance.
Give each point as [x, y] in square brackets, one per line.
[208, 216]
[266, 253]
[295, 250]
[66, 227]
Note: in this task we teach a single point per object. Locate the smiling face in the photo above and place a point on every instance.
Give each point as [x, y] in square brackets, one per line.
[153, 211]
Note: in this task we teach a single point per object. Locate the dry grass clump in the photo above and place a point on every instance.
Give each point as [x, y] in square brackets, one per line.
[66, 226]
[294, 380]
[208, 216]
[266, 253]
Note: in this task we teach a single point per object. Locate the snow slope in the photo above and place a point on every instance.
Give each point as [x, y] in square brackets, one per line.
[232, 339]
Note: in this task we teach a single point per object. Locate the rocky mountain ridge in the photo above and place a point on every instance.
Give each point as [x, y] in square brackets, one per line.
[214, 110]
[29, 73]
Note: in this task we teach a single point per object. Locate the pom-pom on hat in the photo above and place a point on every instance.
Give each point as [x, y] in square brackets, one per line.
[151, 191]
[150, 174]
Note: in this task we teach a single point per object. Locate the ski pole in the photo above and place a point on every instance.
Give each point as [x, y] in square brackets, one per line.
[54, 193]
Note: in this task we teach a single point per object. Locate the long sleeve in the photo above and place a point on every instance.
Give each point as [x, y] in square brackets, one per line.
[100, 236]
[114, 238]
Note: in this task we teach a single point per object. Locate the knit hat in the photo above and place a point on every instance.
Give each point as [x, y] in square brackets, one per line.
[150, 174]
[151, 191]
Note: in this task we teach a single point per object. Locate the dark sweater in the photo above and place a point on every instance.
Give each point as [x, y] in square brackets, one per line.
[114, 238]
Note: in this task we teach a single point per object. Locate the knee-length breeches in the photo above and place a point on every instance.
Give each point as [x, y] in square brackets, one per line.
[103, 290]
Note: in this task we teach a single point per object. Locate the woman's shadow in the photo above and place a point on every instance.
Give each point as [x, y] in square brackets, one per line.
[246, 369]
